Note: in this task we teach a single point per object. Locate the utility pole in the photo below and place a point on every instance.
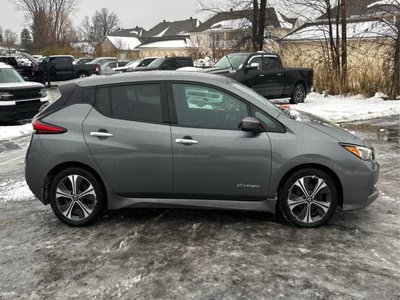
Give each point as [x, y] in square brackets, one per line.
[343, 14]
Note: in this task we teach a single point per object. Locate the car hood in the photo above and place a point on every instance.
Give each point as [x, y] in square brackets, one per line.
[333, 130]
[20, 85]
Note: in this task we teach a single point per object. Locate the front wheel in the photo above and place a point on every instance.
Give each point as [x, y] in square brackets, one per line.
[82, 75]
[308, 198]
[76, 196]
[299, 94]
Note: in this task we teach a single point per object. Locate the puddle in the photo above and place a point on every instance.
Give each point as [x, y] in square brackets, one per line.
[383, 129]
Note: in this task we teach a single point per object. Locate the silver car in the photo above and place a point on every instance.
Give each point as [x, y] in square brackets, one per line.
[188, 140]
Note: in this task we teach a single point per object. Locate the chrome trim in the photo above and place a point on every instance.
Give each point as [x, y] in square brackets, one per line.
[186, 142]
[101, 134]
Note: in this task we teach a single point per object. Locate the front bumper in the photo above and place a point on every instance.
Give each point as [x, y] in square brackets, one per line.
[20, 109]
[359, 191]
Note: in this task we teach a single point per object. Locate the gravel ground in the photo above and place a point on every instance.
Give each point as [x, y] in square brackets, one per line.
[196, 254]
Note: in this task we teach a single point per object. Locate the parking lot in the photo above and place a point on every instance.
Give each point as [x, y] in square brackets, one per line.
[196, 254]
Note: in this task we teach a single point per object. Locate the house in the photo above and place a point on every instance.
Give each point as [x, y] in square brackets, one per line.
[164, 39]
[231, 30]
[370, 31]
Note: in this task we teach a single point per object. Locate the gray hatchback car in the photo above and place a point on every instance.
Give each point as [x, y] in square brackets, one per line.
[188, 140]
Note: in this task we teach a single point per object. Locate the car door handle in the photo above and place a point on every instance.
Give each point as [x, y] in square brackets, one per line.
[262, 75]
[279, 74]
[186, 142]
[101, 134]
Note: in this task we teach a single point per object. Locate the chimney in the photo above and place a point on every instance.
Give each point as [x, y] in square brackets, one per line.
[164, 21]
[137, 27]
[191, 18]
[231, 10]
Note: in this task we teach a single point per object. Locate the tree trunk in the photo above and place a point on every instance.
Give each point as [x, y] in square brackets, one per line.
[395, 91]
[261, 25]
[343, 14]
[254, 25]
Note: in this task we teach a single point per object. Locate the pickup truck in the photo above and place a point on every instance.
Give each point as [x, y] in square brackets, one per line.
[62, 67]
[264, 73]
[25, 71]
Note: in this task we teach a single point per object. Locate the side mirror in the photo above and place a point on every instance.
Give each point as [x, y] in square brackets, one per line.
[251, 124]
[253, 66]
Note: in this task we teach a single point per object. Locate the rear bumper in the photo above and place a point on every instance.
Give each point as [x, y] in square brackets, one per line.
[20, 109]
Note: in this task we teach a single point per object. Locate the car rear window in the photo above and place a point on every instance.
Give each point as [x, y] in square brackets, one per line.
[136, 102]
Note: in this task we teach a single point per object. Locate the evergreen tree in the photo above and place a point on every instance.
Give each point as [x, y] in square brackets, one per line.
[26, 39]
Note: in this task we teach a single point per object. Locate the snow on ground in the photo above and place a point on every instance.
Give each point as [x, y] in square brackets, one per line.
[346, 109]
[15, 191]
[9, 132]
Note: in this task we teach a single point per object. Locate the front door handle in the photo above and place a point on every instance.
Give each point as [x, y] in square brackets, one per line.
[262, 75]
[186, 142]
[101, 134]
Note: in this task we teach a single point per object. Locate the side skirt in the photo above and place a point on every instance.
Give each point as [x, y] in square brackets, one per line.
[268, 205]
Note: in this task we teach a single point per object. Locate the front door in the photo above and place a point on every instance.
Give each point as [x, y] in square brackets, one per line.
[212, 157]
[130, 141]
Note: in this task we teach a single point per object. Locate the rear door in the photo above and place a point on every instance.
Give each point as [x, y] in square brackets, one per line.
[212, 157]
[61, 68]
[129, 136]
[272, 76]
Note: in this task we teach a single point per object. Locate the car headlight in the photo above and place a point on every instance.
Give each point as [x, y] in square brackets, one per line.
[43, 93]
[5, 95]
[359, 151]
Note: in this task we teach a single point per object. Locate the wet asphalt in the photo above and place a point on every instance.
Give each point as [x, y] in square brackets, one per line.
[199, 254]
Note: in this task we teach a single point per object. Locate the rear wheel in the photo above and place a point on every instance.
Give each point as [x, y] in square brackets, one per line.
[299, 94]
[308, 198]
[82, 75]
[76, 196]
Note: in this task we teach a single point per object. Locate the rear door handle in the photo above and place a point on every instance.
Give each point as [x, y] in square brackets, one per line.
[101, 134]
[186, 142]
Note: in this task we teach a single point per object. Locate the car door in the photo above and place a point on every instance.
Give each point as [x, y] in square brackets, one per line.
[61, 68]
[272, 76]
[212, 157]
[252, 74]
[129, 136]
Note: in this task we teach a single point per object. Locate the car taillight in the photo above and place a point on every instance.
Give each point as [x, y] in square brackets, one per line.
[40, 127]
[97, 69]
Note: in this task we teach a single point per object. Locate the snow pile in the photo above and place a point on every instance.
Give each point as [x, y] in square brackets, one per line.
[15, 191]
[9, 132]
[179, 43]
[124, 43]
[345, 109]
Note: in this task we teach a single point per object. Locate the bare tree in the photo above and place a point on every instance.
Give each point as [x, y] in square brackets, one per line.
[50, 20]
[104, 22]
[9, 40]
[252, 10]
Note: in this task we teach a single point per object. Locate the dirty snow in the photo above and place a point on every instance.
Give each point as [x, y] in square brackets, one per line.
[15, 191]
[9, 132]
[346, 109]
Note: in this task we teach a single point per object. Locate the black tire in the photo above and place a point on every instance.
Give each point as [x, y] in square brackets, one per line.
[80, 211]
[82, 75]
[299, 94]
[315, 211]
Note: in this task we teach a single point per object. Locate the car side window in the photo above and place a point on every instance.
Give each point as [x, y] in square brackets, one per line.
[255, 60]
[270, 124]
[139, 102]
[270, 63]
[169, 65]
[206, 107]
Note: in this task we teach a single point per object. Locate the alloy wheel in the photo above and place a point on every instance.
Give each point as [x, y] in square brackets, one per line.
[75, 197]
[309, 199]
[300, 94]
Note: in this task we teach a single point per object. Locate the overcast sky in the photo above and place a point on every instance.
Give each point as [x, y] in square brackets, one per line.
[145, 13]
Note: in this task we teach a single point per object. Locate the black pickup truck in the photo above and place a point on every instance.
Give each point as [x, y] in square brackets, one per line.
[62, 67]
[265, 73]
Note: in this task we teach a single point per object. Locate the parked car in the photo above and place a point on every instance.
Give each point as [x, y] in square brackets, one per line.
[135, 64]
[82, 61]
[19, 99]
[264, 73]
[61, 67]
[108, 67]
[166, 63]
[175, 139]
[101, 60]
[26, 71]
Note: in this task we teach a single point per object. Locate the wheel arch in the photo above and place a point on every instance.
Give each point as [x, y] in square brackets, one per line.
[299, 81]
[323, 168]
[70, 164]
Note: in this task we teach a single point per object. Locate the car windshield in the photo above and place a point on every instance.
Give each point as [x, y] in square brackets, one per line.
[9, 75]
[233, 60]
[156, 63]
[133, 64]
[255, 96]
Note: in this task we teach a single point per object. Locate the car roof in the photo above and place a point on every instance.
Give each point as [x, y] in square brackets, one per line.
[151, 76]
[5, 66]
